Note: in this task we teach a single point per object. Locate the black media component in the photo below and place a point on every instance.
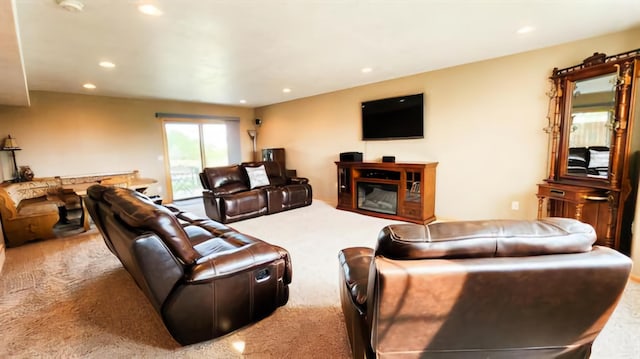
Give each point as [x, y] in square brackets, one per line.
[351, 157]
[380, 174]
[388, 159]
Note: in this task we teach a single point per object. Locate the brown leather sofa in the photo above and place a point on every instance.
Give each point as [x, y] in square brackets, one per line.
[203, 278]
[480, 289]
[228, 195]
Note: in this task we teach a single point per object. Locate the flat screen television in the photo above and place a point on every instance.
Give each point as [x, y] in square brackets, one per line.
[393, 118]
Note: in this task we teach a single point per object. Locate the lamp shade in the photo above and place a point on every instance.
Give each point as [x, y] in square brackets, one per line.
[10, 143]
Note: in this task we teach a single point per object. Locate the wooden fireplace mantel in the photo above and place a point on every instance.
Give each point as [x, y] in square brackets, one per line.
[400, 191]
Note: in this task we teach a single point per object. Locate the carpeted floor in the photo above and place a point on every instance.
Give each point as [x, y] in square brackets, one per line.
[71, 298]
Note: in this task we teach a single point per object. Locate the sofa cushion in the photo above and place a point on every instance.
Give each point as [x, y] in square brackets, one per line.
[491, 238]
[215, 228]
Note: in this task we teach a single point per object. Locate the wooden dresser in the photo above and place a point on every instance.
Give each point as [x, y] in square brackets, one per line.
[586, 204]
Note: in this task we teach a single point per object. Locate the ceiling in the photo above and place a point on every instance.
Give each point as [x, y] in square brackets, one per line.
[245, 52]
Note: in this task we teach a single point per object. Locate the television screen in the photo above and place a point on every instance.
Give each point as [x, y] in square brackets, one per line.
[393, 118]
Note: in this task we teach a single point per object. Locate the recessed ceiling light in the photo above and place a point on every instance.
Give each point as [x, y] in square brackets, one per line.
[71, 5]
[243, 101]
[525, 29]
[107, 64]
[89, 86]
[366, 70]
[149, 9]
[286, 90]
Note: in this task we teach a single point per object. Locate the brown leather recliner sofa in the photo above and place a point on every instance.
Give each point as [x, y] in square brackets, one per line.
[480, 289]
[203, 278]
[229, 195]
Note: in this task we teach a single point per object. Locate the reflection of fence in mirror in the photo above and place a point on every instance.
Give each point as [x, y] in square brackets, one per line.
[592, 122]
[591, 129]
[592, 108]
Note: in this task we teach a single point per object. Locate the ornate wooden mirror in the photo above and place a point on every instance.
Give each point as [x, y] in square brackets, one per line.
[589, 123]
[595, 145]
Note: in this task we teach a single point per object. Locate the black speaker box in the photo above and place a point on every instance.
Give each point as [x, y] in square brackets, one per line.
[388, 158]
[351, 157]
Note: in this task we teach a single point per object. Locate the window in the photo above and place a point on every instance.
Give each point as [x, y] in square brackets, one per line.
[194, 143]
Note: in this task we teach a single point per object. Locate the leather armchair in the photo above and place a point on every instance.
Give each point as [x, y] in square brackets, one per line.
[203, 278]
[480, 289]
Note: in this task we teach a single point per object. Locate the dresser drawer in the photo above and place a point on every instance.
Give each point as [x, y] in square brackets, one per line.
[571, 194]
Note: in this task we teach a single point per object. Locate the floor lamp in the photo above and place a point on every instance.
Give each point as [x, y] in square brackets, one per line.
[254, 137]
[10, 144]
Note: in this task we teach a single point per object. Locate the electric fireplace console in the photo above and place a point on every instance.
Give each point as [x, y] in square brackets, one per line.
[402, 191]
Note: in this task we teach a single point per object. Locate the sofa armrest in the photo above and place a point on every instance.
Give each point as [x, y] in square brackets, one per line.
[211, 205]
[355, 264]
[288, 269]
[217, 265]
[297, 180]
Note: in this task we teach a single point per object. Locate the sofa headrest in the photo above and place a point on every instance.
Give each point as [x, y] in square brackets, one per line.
[227, 179]
[96, 192]
[490, 238]
[138, 211]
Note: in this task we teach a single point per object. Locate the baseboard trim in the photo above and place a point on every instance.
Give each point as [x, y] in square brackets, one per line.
[635, 278]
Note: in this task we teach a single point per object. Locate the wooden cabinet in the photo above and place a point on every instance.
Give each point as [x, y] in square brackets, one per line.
[586, 204]
[402, 191]
[594, 146]
[275, 155]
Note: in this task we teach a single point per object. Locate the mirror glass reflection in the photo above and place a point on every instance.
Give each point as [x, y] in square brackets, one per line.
[591, 126]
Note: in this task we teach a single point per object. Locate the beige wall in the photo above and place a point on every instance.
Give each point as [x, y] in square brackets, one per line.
[65, 134]
[483, 123]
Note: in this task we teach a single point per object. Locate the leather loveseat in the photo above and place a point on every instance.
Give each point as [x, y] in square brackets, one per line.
[230, 194]
[203, 278]
[480, 289]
